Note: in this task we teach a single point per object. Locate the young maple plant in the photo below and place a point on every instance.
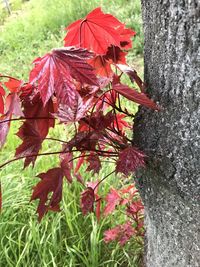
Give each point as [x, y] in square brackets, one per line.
[79, 85]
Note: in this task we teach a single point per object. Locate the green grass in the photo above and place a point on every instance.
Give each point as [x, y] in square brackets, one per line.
[66, 238]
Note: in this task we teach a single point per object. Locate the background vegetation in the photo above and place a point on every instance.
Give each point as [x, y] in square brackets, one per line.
[66, 238]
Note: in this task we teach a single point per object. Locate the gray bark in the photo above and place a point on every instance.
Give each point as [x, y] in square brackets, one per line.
[170, 184]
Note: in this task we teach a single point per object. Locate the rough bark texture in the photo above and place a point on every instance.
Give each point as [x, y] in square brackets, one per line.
[170, 185]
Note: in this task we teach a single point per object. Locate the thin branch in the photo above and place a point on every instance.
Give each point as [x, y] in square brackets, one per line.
[26, 118]
[103, 179]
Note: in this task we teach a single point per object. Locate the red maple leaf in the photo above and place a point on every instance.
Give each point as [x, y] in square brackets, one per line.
[129, 160]
[34, 130]
[94, 163]
[51, 181]
[113, 198]
[121, 233]
[75, 111]
[87, 200]
[120, 123]
[66, 165]
[12, 107]
[125, 35]
[133, 76]
[102, 64]
[133, 95]
[55, 73]
[4, 128]
[96, 32]
[13, 85]
[135, 207]
[98, 121]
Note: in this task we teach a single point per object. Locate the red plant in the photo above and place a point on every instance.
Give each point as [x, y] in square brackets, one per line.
[79, 84]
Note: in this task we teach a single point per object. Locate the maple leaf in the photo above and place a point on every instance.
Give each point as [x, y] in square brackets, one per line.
[87, 200]
[75, 111]
[4, 128]
[125, 35]
[135, 207]
[84, 141]
[98, 121]
[13, 85]
[133, 76]
[133, 95]
[129, 160]
[115, 55]
[120, 123]
[51, 181]
[95, 186]
[121, 233]
[94, 163]
[113, 198]
[66, 165]
[56, 71]
[96, 32]
[34, 131]
[102, 64]
[13, 107]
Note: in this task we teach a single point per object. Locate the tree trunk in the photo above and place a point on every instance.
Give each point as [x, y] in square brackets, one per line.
[170, 184]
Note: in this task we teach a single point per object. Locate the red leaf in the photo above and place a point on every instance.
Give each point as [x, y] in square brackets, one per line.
[102, 64]
[120, 123]
[125, 35]
[56, 71]
[80, 161]
[94, 185]
[116, 55]
[94, 163]
[14, 85]
[98, 121]
[135, 96]
[66, 165]
[96, 32]
[13, 107]
[75, 111]
[84, 141]
[4, 128]
[133, 76]
[135, 207]
[121, 233]
[87, 200]
[51, 182]
[34, 131]
[112, 199]
[129, 160]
